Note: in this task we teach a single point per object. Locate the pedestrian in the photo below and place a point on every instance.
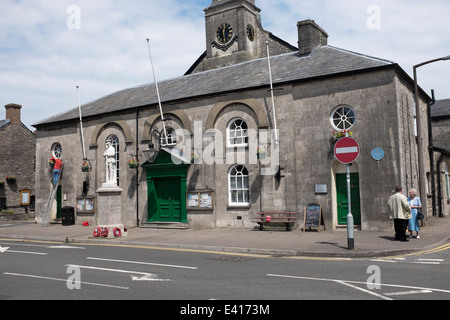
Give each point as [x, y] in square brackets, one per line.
[56, 169]
[400, 212]
[415, 204]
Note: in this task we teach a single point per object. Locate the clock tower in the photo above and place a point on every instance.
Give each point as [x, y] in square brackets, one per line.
[234, 34]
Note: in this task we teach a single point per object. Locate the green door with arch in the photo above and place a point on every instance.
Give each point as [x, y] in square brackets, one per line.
[342, 198]
[166, 187]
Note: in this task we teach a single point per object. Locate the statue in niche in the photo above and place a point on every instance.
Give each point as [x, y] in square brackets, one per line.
[110, 158]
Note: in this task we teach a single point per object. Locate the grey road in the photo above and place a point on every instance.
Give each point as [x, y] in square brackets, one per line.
[52, 271]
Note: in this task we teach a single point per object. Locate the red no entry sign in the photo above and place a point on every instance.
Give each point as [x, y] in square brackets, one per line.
[346, 150]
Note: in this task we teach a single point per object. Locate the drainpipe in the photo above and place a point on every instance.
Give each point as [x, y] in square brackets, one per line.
[431, 154]
[137, 168]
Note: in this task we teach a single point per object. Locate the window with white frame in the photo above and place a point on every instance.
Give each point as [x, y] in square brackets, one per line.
[239, 191]
[57, 151]
[343, 118]
[447, 186]
[115, 143]
[170, 140]
[237, 133]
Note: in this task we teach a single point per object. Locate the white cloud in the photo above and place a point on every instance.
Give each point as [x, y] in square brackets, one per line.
[42, 60]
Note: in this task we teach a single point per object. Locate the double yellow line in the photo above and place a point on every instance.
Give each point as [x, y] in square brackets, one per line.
[429, 251]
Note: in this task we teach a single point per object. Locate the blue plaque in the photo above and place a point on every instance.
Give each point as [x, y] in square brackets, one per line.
[377, 153]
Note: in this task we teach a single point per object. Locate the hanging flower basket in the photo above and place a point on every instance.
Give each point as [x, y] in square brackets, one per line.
[261, 152]
[2, 183]
[336, 135]
[51, 163]
[85, 167]
[194, 157]
[10, 179]
[133, 163]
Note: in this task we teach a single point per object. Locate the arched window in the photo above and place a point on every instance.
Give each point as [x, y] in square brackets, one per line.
[237, 133]
[239, 191]
[343, 118]
[57, 151]
[171, 139]
[115, 143]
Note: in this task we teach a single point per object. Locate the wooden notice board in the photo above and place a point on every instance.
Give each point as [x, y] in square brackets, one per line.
[313, 217]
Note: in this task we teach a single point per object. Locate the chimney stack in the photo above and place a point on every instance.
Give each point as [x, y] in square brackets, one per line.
[310, 36]
[13, 113]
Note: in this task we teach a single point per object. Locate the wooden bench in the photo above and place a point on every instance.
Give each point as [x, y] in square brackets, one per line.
[275, 218]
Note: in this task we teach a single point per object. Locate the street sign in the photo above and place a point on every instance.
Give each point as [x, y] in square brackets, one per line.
[346, 150]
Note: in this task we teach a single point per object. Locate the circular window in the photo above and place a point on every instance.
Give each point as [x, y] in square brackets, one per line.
[343, 118]
[57, 150]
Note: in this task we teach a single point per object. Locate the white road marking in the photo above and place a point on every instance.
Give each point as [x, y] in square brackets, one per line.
[359, 282]
[28, 252]
[407, 292]
[146, 276]
[363, 290]
[64, 280]
[144, 263]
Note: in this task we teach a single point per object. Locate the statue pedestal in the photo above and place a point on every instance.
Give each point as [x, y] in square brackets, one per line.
[109, 208]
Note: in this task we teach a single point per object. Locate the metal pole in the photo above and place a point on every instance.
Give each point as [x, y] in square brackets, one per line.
[157, 92]
[350, 224]
[81, 126]
[271, 92]
[422, 178]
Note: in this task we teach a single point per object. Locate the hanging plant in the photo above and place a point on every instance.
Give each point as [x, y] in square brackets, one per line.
[133, 163]
[85, 167]
[261, 152]
[2, 183]
[10, 179]
[340, 134]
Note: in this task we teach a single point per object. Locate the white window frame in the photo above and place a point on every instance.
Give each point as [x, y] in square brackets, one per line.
[447, 182]
[343, 117]
[57, 150]
[238, 186]
[237, 133]
[171, 138]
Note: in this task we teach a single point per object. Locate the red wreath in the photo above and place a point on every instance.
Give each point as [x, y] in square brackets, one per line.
[268, 218]
[117, 232]
[104, 232]
[97, 232]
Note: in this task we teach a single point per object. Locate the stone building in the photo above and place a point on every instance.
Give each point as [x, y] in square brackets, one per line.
[440, 118]
[17, 165]
[228, 149]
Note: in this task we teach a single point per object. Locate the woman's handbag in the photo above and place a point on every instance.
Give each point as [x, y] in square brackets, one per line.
[420, 215]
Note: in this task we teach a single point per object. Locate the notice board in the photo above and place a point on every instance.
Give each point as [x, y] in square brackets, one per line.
[313, 217]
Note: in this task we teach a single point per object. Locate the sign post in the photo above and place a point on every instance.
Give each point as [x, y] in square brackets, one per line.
[346, 151]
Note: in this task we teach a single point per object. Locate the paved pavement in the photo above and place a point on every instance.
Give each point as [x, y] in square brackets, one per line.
[326, 243]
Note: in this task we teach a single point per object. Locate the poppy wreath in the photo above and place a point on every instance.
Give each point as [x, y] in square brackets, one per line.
[117, 232]
[104, 232]
[97, 232]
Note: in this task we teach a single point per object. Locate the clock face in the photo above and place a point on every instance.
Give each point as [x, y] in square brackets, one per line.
[250, 33]
[224, 33]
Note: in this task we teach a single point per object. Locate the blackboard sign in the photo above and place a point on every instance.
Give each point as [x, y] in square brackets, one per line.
[313, 217]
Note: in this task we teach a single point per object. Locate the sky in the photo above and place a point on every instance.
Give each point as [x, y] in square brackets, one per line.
[49, 47]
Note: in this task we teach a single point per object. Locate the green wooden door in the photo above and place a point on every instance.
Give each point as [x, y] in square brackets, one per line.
[165, 200]
[342, 198]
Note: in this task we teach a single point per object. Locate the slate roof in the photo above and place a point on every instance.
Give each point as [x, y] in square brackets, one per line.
[4, 123]
[289, 67]
[441, 109]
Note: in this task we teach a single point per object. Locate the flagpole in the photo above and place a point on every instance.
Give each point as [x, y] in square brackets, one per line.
[271, 92]
[157, 92]
[81, 125]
